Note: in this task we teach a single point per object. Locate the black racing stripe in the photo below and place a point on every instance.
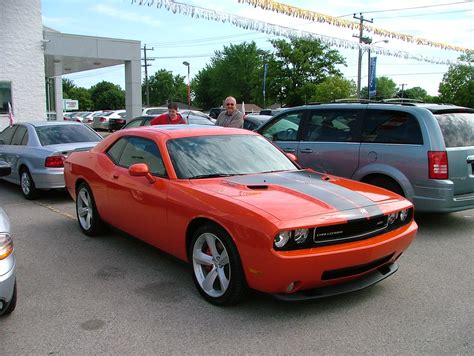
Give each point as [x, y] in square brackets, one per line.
[312, 184]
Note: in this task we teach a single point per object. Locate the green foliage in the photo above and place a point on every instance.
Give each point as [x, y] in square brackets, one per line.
[332, 88]
[106, 95]
[237, 70]
[83, 96]
[297, 67]
[386, 89]
[457, 86]
[68, 85]
[164, 88]
[413, 93]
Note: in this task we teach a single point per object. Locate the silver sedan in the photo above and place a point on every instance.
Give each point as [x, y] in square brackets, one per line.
[36, 151]
[7, 259]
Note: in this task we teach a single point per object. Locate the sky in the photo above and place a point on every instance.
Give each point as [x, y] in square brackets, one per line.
[177, 37]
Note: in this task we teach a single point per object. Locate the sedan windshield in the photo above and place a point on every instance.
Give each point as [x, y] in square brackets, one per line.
[57, 134]
[225, 155]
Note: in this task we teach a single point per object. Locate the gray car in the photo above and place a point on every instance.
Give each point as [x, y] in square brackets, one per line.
[8, 292]
[424, 152]
[36, 152]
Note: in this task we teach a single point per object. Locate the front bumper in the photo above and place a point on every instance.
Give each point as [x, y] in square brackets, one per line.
[329, 270]
[7, 278]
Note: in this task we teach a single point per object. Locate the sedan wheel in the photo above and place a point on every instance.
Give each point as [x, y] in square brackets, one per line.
[27, 184]
[87, 214]
[217, 270]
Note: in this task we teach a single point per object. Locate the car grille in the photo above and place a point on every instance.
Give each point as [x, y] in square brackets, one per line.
[352, 230]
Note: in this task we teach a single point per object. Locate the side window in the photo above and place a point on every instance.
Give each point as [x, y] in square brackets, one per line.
[141, 150]
[115, 151]
[20, 133]
[7, 134]
[284, 127]
[249, 125]
[333, 126]
[383, 126]
[134, 123]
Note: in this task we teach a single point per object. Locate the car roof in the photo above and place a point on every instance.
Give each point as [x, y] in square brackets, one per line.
[189, 130]
[49, 123]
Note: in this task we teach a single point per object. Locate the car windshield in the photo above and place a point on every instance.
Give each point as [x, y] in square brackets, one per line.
[57, 134]
[225, 155]
[457, 129]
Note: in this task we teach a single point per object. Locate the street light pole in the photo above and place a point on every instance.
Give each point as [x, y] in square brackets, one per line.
[187, 64]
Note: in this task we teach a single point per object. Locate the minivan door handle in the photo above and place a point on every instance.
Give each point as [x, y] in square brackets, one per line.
[289, 150]
[306, 150]
[470, 159]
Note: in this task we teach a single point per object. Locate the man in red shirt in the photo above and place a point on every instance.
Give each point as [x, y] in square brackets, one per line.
[172, 117]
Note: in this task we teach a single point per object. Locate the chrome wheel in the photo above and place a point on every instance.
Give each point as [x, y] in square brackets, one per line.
[25, 183]
[211, 265]
[84, 209]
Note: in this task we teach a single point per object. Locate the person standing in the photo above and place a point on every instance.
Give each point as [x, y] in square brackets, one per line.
[230, 117]
[172, 117]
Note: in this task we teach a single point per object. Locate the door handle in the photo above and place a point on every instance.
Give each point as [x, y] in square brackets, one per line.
[306, 150]
[289, 150]
[470, 159]
[115, 176]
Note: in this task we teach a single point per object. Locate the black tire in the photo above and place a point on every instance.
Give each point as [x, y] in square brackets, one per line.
[12, 304]
[237, 286]
[27, 185]
[86, 211]
[387, 183]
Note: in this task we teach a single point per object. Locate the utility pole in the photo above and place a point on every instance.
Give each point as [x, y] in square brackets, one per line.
[403, 88]
[362, 39]
[146, 65]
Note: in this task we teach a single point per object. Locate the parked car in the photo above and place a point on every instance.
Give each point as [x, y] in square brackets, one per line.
[101, 122]
[196, 117]
[155, 110]
[424, 152]
[253, 121]
[272, 112]
[261, 222]
[36, 151]
[8, 292]
[214, 112]
[146, 119]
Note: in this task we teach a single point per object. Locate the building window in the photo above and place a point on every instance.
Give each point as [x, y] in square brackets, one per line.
[5, 96]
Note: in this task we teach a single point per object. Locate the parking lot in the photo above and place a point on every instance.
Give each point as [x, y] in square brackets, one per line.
[117, 295]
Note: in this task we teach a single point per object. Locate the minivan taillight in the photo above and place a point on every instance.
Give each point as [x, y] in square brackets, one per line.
[102, 119]
[54, 162]
[438, 164]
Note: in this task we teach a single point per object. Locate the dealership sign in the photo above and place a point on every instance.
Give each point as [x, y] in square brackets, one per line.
[69, 104]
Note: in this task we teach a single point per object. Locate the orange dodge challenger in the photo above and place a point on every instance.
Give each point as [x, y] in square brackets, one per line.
[240, 211]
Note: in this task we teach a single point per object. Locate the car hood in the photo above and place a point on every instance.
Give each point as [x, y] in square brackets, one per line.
[299, 194]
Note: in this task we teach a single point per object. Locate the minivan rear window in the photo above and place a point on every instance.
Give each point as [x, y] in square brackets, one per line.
[457, 129]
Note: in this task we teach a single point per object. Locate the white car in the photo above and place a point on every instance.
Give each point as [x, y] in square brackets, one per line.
[101, 121]
[158, 110]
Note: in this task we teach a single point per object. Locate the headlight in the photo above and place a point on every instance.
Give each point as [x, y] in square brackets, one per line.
[392, 218]
[403, 215]
[6, 246]
[282, 238]
[301, 235]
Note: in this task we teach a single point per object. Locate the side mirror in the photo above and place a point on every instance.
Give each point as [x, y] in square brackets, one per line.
[141, 170]
[5, 169]
[291, 156]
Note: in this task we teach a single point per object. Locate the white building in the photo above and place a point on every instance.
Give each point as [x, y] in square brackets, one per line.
[31, 55]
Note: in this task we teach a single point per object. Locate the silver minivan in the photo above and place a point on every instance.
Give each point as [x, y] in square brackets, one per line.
[424, 152]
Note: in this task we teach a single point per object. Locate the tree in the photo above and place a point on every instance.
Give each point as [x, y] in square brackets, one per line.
[457, 86]
[164, 87]
[68, 85]
[413, 93]
[106, 95]
[332, 88]
[83, 96]
[298, 66]
[386, 89]
[237, 70]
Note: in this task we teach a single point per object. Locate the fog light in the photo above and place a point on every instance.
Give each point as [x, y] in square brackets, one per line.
[301, 235]
[392, 217]
[282, 238]
[403, 215]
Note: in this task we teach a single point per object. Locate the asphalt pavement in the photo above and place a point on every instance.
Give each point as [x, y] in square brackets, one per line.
[116, 295]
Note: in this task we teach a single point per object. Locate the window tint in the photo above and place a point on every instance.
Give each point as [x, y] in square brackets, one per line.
[141, 150]
[382, 126]
[133, 123]
[7, 134]
[21, 131]
[284, 128]
[457, 129]
[249, 125]
[333, 126]
[56, 134]
[115, 151]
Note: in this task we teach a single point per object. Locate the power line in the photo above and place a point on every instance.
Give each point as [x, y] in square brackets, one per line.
[411, 8]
